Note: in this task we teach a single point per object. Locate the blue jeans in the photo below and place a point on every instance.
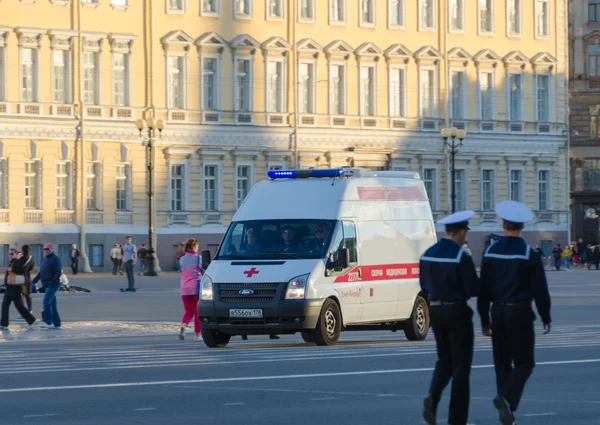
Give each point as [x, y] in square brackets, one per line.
[51, 316]
[130, 274]
[142, 266]
[567, 263]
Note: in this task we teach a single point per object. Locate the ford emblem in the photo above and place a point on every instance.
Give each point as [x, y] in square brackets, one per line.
[246, 292]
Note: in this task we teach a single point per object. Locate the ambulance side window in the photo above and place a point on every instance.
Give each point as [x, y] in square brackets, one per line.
[350, 240]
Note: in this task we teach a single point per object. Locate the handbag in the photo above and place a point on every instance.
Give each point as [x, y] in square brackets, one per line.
[17, 279]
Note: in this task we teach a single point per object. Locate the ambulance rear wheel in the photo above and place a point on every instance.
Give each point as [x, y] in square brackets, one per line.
[329, 325]
[215, 339]
[417, 326]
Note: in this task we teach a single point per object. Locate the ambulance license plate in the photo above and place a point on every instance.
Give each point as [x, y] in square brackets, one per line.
[246, 313]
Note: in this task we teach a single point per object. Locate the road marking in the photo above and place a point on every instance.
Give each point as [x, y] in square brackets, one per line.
[539, 414]
[324, 398]
[262, 378]
[144, 409]
[233, 404]
[46, 415]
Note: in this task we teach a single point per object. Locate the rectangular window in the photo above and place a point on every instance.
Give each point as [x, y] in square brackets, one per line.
[122, 187]
[242, 84]
[457, 95]
[430, 181]
[3, 255]
[60, 76]
[514, 10]
[427, 93]
[307, 10]
[242, 183]
[367, 90]
[486, 16]
[594, 59]
[397, 92]
[175, 82]
[29, 75]
[2, 73]
[3, 183]
[176, 5]
[210, 7]
[396, 13]
[457, 14]
[349, 242]
[62, 186]
[274, 86]
[367, 12]
[177, 176]
[275, 9]
[543, 98]
[516, 185]
[210, 188]
[307, 88]
[209, 81]
[92, 185]
[243, 8]
[488, 190]
[338, 11]
[90, 78]
[542, 14]
[515, 87]
[338, 90]
[460, 190]
[543, 189]
[96, 255]
[426, 14]
[37, 252]
[31, 184]
[593, 10]
[486, 96]
[120, 79]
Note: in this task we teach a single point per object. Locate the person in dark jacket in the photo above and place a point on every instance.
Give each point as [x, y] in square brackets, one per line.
[16, 266]
[49, 274]
[74, 258]
[512, 276]
[27, 287]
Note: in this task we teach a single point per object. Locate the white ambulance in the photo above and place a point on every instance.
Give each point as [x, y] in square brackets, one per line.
[318, 252]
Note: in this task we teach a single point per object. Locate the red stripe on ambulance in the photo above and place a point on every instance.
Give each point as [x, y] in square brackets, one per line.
[381, 193]
[380, 272]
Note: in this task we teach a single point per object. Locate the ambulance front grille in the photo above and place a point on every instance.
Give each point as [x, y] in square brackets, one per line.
[259, 292]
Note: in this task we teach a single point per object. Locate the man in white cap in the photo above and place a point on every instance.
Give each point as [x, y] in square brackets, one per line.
[448, 276]
[512, 275]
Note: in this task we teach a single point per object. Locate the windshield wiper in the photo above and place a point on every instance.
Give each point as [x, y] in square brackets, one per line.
[279, 255]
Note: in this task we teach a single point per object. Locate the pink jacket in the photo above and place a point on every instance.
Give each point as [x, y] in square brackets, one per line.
[191, 272]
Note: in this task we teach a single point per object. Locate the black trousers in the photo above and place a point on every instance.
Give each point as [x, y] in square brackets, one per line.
[513, 340]
[74, 265]
[13, 295]
[453, 329]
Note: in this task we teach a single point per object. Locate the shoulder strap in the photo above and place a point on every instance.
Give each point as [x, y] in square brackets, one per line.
[27, 262]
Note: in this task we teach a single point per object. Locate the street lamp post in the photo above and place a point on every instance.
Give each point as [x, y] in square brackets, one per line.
[148, 141]
[454, 134]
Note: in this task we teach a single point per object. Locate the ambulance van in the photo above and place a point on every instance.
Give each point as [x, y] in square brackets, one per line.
[319, 252]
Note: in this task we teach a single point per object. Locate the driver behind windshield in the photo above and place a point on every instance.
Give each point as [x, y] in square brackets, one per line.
[252, 242]
[321, 235]
[288, 236]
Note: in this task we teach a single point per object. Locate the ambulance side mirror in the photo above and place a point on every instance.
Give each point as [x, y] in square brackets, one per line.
[343, 259]
[205, 254]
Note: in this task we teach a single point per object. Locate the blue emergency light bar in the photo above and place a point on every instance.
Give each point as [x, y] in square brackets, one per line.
[305, 174]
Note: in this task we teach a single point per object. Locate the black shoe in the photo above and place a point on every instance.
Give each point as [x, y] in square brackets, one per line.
[505, 414]
[273, 337]
[429, 411]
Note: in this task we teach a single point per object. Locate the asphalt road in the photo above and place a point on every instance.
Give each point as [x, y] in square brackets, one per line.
[368, 378]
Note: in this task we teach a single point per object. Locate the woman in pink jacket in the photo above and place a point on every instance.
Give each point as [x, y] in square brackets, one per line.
[191, 272]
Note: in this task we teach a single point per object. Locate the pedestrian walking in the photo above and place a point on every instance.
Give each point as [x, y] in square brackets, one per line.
[116, 258]
[557, 254]
[74, 259]
[448, 276]
[15, 281]
[49, 274]
[141, 255]
[129, 259]
[27, 288]
[191, 273]
[512, 276]
[567, 255]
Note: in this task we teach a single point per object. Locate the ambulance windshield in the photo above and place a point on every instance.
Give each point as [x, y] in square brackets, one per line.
[265, 239]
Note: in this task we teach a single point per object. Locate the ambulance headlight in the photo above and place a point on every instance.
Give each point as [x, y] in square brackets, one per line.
[206, 288]
[296, 289]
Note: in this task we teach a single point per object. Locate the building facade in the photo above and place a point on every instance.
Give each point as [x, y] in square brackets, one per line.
[584, 86]
[245, 86]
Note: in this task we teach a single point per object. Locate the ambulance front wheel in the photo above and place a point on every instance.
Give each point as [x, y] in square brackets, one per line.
[329, 325]
[215, 339]
[417, 326]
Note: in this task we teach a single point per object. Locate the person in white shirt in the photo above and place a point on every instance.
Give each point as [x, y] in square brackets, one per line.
[129, 260]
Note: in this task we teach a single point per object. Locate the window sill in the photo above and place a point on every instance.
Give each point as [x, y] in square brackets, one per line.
[29, 1]
[338, 23]
[243, 17]
[175, 12]
[486, 33]
[514, 35]
[427, 29]
[90, 5]
[367, 25]
[64, 3]
[306, 20]
[459, 32]
[542, 37]
[275, 19]
[120, 7]
[210, 14]
[397, 27]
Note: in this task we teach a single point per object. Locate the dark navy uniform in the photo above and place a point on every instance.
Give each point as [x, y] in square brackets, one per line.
[512, 275]
[448, 276]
